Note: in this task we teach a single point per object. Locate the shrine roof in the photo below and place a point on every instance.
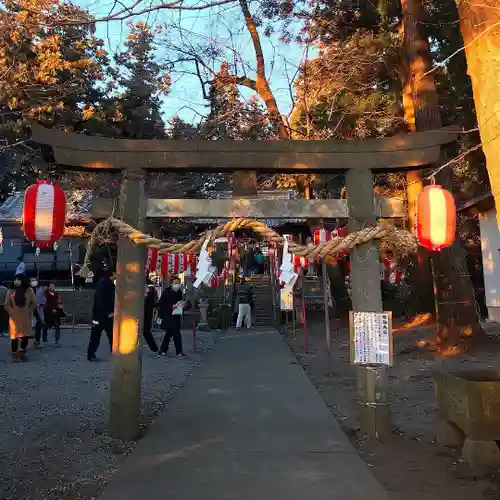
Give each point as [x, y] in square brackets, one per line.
[79, 207]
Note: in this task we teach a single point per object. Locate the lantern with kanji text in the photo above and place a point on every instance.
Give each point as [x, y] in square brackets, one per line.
[436, 218]
[44, 213]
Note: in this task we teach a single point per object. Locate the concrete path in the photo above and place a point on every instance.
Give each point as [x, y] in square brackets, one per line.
[247, 426]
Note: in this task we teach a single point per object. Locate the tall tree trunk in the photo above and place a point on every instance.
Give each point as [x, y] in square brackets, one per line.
[480, 27]
[455, 299]
[414, 101]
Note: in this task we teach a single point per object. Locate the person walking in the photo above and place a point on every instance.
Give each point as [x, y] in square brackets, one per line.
[4, 315]
[259, 261]
[20, 302]
[234, 302]
[245, 300]
[79, 278]
[52, 313]
[21, 266]
[149, 305]
[170, 310]
[249, 262]
[38, 314]
[102, 315]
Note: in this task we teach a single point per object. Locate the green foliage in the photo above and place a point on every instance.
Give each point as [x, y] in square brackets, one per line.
[134, 111]
[230, 116]
[351, 91]
[48, 73]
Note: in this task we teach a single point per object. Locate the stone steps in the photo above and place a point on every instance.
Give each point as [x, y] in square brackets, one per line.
[263, 299]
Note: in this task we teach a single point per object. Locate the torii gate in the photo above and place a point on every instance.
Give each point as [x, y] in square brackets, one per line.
[134, 158]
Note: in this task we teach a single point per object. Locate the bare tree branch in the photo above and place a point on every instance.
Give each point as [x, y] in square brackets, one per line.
[134, 10]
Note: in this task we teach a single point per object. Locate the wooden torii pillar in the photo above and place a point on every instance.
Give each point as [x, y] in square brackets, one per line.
[134, 158]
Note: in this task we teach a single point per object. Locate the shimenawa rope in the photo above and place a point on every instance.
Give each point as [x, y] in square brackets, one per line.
[401, 240]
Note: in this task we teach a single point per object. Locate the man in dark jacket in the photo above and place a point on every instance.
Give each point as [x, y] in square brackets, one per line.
[149, 305]
[170, 313]
[102, 314]
[249, 262]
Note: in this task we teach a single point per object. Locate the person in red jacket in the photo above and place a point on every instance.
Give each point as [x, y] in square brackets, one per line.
[52, 313]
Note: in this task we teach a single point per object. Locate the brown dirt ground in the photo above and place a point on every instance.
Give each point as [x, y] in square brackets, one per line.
[410, 464]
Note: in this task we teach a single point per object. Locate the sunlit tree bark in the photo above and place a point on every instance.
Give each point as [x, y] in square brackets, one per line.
[416, 103]
[455, 300]
[480, 27]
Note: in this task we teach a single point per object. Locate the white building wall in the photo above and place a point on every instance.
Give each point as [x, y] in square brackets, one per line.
[490, 247]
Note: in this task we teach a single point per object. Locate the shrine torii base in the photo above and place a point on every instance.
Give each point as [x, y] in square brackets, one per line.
[356, 158]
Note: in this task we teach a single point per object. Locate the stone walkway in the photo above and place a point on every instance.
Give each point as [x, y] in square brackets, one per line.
[248, 425]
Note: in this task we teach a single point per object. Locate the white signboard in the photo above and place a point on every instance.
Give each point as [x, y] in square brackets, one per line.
[286, 299]
[371, 338]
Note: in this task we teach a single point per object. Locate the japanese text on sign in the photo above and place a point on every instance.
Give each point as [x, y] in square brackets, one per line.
[371, 338]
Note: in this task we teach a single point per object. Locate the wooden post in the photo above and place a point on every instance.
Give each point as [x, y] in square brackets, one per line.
[71, 270]
[125, 406]
[375, 420]
[328, 336]
[304, 325]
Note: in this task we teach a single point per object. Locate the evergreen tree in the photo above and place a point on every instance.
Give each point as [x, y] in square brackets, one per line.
[179, 129]
[135, 111]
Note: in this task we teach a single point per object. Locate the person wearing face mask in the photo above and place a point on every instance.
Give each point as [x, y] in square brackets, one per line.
[149, 305]
[102, 315]
[53, 313]
[20, 302]
[170, 312]
[38, 314]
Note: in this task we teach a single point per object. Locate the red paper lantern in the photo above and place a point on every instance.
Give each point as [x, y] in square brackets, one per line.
[436, 218]
[44, 213]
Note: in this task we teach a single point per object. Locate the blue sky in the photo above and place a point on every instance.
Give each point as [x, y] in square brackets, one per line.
[221, 26]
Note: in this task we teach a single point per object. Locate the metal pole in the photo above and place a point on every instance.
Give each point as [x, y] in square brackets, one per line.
[272, 287]
[70, 247]
[436, 302]
[327, 309]
[304, 325]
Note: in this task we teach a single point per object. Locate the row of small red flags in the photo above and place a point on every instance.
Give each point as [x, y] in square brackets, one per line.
[170, 264]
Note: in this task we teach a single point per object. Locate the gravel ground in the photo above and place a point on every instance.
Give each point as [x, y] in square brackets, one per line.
[409, 464]
[53, 411]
